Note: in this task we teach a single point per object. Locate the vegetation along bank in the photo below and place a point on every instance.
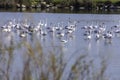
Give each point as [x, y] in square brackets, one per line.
[68, 4]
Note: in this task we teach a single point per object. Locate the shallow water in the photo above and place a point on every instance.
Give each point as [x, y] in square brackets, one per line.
[75, 47]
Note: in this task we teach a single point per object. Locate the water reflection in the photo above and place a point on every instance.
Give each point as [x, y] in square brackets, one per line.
[53, 10]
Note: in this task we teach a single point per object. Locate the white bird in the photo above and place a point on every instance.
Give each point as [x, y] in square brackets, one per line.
[108, 35]
[23, 34]
[64, 41]
[97, 36]
[88, 37]
[45, 23]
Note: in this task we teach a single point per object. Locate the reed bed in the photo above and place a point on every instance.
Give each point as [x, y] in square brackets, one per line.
[32, 63]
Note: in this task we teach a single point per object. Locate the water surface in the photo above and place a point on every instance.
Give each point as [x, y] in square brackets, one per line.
[76, 45]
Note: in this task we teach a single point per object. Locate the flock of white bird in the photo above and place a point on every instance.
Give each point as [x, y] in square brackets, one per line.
[101, 31]
[42, 29]
[91, 31]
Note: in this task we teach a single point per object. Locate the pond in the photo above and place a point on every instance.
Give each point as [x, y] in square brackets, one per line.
[54, 46]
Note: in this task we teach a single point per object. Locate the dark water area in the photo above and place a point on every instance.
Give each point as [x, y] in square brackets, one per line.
[63, 10]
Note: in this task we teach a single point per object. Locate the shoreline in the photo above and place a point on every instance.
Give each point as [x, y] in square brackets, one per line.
[107, 5]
